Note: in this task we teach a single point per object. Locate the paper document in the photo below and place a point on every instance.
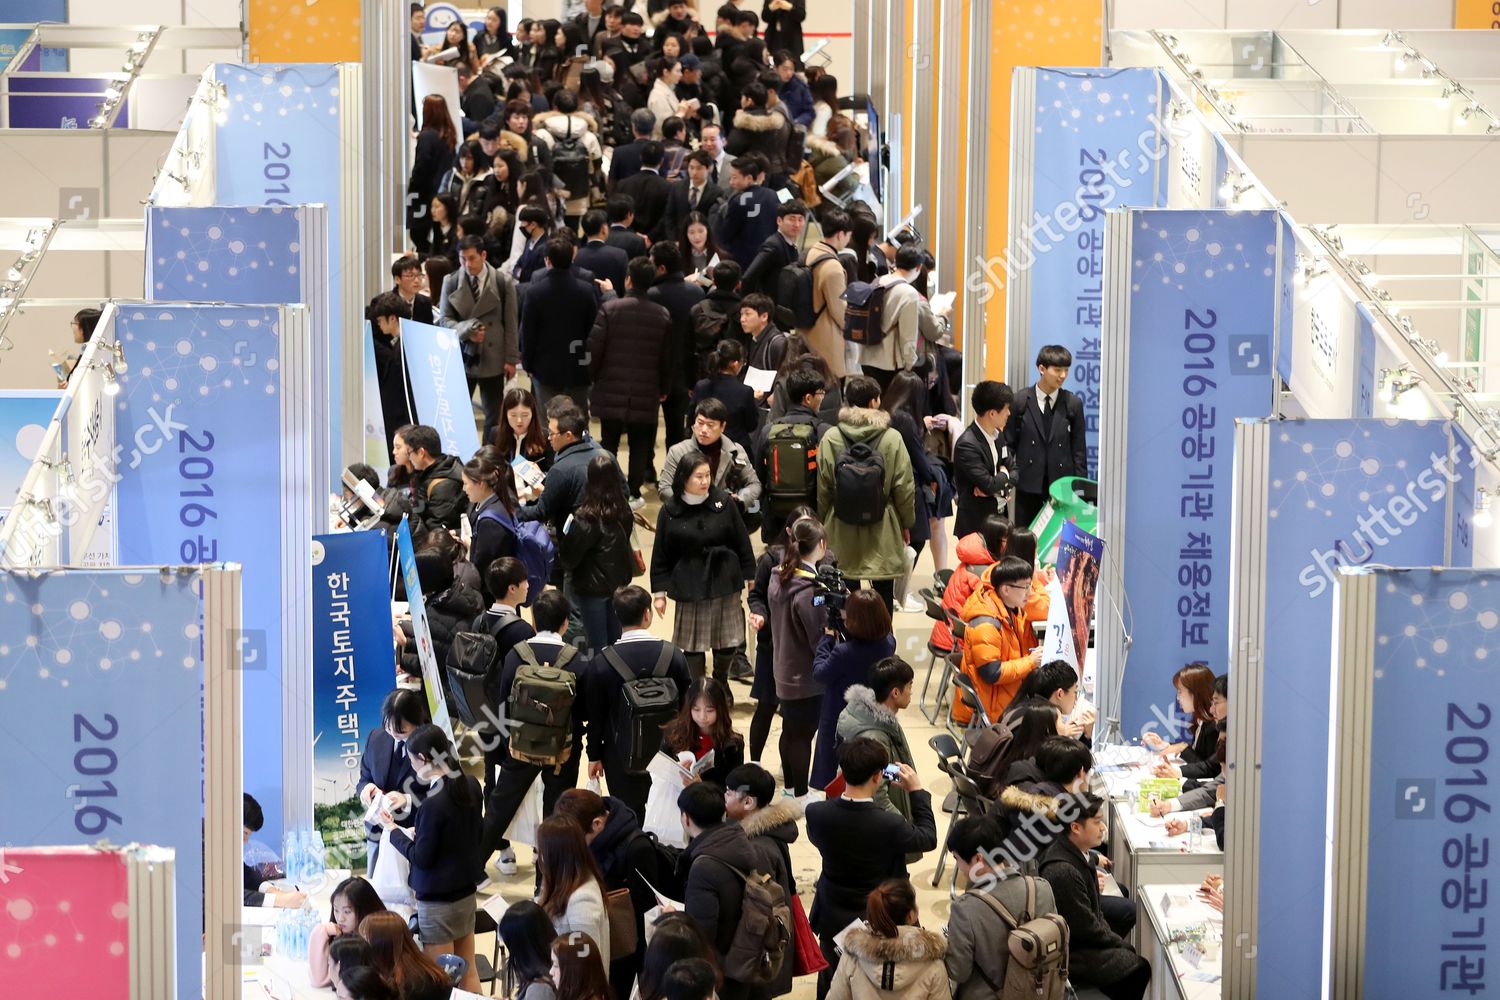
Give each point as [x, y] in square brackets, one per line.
[496, 906]
[943, 301]
[760, 379]
[665, 901]
[529, 475]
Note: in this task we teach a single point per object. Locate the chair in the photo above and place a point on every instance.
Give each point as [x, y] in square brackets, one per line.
[951, 663]
[971, 802]
[978, 717]
[941, 578]
[486, 965]
[934, 611]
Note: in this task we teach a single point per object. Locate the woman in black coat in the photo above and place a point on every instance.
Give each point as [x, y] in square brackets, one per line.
[436, 146]
[904, 400]
[702, 559]
[596, 551]
[492, 511]
[450, 605]
[783, 26]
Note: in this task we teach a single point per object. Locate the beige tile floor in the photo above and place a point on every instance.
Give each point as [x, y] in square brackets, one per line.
[911, 631]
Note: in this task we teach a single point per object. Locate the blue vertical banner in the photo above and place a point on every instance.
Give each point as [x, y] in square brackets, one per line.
[1202, 304]
[439, 390]
[354, 667]
[376, 455]
[101, 717]
[24, 416]
[202, 403]
[432, 680]
[1364, 380]
[1432, 772]
[280, 144]
[1097, 143]
[1340, 493]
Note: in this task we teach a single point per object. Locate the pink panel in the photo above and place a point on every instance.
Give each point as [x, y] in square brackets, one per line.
[64, 923]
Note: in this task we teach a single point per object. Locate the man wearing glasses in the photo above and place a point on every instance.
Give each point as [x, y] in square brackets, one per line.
[1000, 646]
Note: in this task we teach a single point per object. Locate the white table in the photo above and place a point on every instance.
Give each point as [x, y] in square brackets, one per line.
[277, 976]
[1143, 854]
[1173, 977]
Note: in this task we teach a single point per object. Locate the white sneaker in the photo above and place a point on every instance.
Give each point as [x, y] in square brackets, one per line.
[636, 503]
[912, 605]
[507, 863]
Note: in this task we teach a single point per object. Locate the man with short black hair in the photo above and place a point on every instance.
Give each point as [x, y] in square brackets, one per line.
[1045, 434]
[770, 821]
[826, 335]
[631, 361]
[981, 472]
[693, 193]
[711, 141]
[718, 853]
[750, 214]
[557, 313]
[437, 492]
[562, 490]
[768, 344]
[535, 225]
[776, 251]
[1057, 682]
[621, 211]
[679, 297]
[605, 261]
[386, 313]
[626, 160]
[805, 390]
[862, 844]
[690, 979]
[639, 651]
[630, 47]
[648, 189]
[480, 303]
[900, 349]
[407, 274]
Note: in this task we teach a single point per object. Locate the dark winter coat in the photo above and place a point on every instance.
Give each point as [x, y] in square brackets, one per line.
[1096, 954]
[862, 844]
[447, 614]
[558, 310]
[630, 360]
[678, 297]
[749, 217]
[716, 318]
[763, 131]
[713, 893]
[490, 540]
[437, 494]
[783, 28]
[796, 627]
[563, 488]
[738, 398]
[605, 261]
[598, 556]
[772, 831]
[701, 552]
[627, 860]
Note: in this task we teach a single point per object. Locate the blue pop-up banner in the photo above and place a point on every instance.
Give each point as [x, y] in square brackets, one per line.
[353, 669]
[1202, 306]
[432, 680]
[438, 387]
[1097, 142]
[101, 721]
[202, 397]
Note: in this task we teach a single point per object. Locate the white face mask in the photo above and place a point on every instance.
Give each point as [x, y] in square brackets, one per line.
[693, 499]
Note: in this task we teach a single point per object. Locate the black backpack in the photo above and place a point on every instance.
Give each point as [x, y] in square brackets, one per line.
[791, 466]
[471, 661]
[794, 291]
[864, 315]
[859, 484]
[571, 163]
[646, 703]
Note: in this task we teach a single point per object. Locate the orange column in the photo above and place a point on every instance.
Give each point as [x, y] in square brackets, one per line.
[955, 264]
[1023, 33]
[293, 31]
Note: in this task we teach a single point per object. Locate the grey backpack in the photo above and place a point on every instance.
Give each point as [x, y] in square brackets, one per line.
[1038, 966]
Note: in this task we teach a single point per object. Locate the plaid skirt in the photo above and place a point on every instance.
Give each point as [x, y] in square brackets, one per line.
[702, 626]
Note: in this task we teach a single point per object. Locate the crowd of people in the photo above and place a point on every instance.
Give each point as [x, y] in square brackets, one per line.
[640, 227]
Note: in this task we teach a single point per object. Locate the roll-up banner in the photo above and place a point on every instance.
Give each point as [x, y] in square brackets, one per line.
[219, 396]
[252, 255]
[1090, 140]
[1311, 496]
[280, 144]
[354, 667]
[421, 636]
[438, 387]
[1193, 309]
[1414, 727]
[103, 680]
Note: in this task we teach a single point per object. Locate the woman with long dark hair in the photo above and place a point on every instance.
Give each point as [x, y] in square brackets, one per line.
[521, 432]
[1032, 722]
[905, 399]
[698, 248]
[443, 850]
[527, 933]
[674, 937]
[495, 40]
[456, 50]
[365, 983]
[443, 237]
[490, 488]
[415, 975]
[473, 184]
[578, 969]
[549, 56]
[702, 559]
[797, 625]
[353, 899]
[704, 724]
[437, 144]
[1195, 692]
[573, 892]
[596, 550]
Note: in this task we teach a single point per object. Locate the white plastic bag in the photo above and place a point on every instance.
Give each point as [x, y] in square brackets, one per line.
[663, 818]
[522, 829]
[391, 875]
[596, 786]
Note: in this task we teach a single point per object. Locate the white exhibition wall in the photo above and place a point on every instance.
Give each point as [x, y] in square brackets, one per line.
[1280, 13]
[199, 13]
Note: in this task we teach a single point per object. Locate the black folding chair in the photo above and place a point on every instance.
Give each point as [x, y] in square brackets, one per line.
[969, 695]
[486, 966]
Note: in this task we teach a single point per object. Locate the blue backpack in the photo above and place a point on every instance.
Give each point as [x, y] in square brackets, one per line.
[534, 547]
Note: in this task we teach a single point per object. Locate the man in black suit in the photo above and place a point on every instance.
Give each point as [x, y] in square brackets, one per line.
[776, 252]
[626, 162]
[639, 651]
[407, 273]
[621, 211]
[1045, 435]
[862, 843]
[605, 261]
[385, 770]
[980, 470]
[649, 189]
[694, 193]
[678, 297]
[590, 22]
[557, 313]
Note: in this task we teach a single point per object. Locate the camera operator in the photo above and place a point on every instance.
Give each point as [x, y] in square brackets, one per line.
[857, 636]
[798, 618]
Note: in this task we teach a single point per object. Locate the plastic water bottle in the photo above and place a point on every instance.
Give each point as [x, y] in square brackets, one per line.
[1195, 831]
[319, 858]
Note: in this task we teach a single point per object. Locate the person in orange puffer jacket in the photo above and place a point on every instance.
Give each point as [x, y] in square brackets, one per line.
[1000, 647]
[976, 553]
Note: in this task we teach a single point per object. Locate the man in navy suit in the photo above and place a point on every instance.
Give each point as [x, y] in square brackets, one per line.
[621, 211]
[1045, 434]
[626, 161]
[385, 770]
[605, 261]
[749, 216]
[980, 467]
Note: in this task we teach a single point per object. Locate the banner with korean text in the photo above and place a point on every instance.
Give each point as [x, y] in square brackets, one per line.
[1092, 140]
[353, 670]
[432, 679]
[439, 390]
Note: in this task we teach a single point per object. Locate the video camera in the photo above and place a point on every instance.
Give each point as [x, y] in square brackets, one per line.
[830, 591]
